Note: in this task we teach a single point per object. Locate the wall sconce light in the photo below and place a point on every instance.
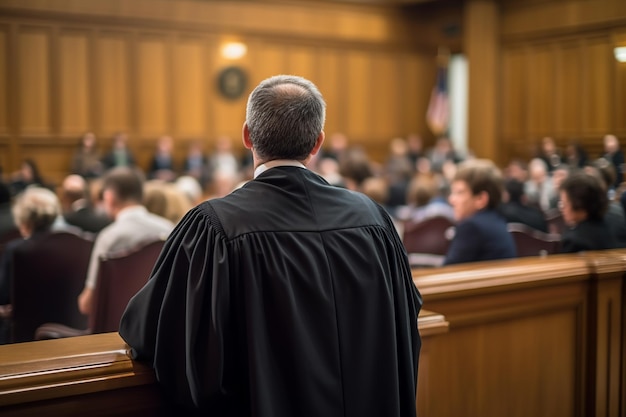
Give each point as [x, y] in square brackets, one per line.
[234, 50]
[620, 53]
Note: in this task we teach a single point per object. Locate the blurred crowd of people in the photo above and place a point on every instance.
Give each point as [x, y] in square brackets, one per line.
[413, 183]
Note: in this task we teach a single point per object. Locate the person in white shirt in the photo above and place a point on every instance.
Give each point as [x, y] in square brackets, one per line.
[122, 193]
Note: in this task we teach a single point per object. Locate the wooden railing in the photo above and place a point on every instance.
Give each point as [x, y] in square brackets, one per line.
[93, 375]
[527, 337]
[521, 337]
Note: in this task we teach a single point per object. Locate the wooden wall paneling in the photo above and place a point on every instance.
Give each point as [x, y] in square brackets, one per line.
[34, 66]
[356, 73]
[4, 80]
[481, 45]
[113, 85]
[597, 86]
[328, 70]
[568, 109]
[152, 72]
[74, 86]
[385, 102]
[417, 76]
[189, 78]
[302, 61]
[514, 99]
[619, 97]
[541, 101]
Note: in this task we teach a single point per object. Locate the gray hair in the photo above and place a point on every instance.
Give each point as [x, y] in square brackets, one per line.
[285, 116]
[37, 208]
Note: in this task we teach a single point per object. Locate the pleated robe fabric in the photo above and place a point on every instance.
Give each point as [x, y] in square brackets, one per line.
[287, 298]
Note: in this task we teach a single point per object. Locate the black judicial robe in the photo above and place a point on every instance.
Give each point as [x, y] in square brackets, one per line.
[287, 298]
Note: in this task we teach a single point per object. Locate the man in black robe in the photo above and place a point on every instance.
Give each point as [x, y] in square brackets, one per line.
[289, 297]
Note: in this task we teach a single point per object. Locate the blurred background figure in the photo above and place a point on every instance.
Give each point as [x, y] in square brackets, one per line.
[35, 210]
[86, 161]
[583, 203]
[614, 154]
[195, 163]
[7, 224]
[538, 186]
[165, 199]
[223, 161]
[162, 166]
[550, 153]
[515, 208]
[77, 208]
[575, 154]
[120, 154]
[28, 175]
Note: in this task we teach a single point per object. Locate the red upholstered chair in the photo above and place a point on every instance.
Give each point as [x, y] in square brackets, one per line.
[120, 276]
[556, 224]
[48, 274]
[427, 241]
[532, 242]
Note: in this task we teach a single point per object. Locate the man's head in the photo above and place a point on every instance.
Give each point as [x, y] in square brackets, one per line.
[74, 188]
[35, 210]
[122, 187]
[284, 119]
[478, 184]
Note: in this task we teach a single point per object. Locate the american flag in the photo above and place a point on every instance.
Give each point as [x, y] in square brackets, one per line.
[438, 113]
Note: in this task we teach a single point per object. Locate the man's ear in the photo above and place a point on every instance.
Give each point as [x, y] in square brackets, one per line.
[318, 143]
[245, 134]
[482, 200]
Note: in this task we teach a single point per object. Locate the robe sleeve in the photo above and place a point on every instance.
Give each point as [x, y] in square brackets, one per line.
[176, 322]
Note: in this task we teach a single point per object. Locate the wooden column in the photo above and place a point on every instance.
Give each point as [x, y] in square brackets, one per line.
[481, 45]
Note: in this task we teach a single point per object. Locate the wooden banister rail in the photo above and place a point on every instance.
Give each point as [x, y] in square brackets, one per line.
[93, 374]
[527, 336]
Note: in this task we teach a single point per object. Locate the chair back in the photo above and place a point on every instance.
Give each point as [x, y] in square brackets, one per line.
[556, 223]
[532, 242]
[120, 276]
[48, 274]
[429, 236]
[8, 236]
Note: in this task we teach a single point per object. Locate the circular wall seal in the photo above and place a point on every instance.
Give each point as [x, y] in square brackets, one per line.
[232, 82]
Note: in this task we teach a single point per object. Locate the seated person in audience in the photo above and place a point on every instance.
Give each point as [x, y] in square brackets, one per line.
[615, 217]
[35, 210]
[120, 154]
[7, 224]
[122, 192]
[28, 175]
[288, 297]
[515, 209]
[77, 209]
[583, 204]
[196, 163]
[86, 161]
[538, 186]
[426, 198]
[481, 233]
[165, 199]
[162, 165]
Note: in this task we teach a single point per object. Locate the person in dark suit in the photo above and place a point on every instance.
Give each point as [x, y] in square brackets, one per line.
[77, 209]
[481, 233]
[515, 210]
[120, 154]
[584, 203]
